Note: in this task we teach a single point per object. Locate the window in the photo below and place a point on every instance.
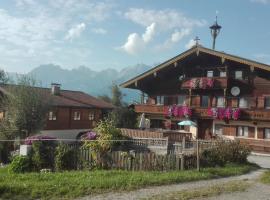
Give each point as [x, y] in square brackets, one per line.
[91, 116]
[243, 102]
[204, 102]
[210, 74]
[267, 133]
[242, 131]
[220, 102]
[239, 75]
[267, 102]
[222, 74]
[181, 100]
[218, 129]
[52, 115]
[77, 115]
[160, 100]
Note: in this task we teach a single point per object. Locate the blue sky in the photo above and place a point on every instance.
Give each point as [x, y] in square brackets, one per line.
[121, 33]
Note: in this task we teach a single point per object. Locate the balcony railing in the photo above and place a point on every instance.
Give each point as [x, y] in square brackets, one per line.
[205, 83]
[245, 114]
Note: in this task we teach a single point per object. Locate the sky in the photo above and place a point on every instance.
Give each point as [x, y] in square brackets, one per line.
[120, 33]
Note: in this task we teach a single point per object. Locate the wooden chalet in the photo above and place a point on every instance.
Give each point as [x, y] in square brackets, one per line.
[71, 112]
[225, 95]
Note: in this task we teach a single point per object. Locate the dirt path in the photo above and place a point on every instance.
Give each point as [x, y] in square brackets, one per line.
[150, 191]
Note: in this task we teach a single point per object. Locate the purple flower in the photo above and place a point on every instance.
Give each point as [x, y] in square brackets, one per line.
[31, 139]
[89, 136]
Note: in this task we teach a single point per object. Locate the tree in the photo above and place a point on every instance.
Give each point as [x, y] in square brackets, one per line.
[26, 108]
[105, 98]
[117, 95]
[3, 77]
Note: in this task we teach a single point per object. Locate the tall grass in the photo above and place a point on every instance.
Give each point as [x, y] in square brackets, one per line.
[68, 185]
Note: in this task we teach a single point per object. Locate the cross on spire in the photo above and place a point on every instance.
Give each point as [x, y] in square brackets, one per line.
[196, 39]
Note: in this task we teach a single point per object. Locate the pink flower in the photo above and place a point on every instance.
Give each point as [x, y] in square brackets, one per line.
[236, 113]
[210, 83]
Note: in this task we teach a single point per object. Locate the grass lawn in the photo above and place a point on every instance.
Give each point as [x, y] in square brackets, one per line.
[68, 185]
[205, 192]
[266, 177]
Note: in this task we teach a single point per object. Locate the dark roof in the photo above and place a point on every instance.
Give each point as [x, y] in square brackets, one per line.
[196, 49]
[66, 98]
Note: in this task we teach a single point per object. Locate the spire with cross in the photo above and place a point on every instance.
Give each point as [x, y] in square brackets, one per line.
[196, 39]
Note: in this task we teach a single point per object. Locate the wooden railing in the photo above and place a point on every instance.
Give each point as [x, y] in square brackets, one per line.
[246, 114]
[257, 145]
[219, 82]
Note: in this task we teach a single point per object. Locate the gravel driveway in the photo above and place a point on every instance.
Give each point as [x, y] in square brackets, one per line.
[261, 160]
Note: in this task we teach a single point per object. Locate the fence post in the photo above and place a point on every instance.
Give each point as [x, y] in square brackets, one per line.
[182, 161]
[198, 157]
[183, 144]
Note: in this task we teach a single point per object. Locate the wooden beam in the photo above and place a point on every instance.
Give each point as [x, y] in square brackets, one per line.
[223, 60]
[197, 52]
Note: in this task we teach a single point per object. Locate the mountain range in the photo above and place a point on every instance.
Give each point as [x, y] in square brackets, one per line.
[87, 80]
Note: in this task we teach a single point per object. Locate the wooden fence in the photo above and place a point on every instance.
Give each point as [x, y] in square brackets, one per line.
[140, 161]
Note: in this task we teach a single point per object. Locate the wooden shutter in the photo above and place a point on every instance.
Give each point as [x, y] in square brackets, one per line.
[260, 102]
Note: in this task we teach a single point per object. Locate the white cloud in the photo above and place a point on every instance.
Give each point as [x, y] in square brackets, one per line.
[164, 19]
[190, 44]
[99, 31]
[261, 1]
[175, 37]
[149, 33]
[75, 31]
[135, 43]
[179, 35]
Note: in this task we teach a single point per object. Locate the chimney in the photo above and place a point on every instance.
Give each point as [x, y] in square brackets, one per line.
[55, 88]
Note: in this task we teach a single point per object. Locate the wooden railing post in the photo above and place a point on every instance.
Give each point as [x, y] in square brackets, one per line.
[198, 157]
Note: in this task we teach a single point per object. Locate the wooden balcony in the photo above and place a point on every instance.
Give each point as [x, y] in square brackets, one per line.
[218, 82]
[198, 112]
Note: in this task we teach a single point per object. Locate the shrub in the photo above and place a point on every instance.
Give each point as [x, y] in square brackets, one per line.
[43, 154]
[107, 133]
[225, 152]
[20, 164]
[66, 157]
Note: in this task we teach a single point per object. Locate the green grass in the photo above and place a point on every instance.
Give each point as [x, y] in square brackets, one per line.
[204, 192]
[266, 177]
[68, 185]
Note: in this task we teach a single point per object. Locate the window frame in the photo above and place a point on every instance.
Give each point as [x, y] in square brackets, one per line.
[211, 72]
[221, 126]
[77, 116]
[238, 77]
[223, 104]
[224, 74]
[202, 101]
[265, 100]
[160, 100]
[244, 131]
[268, 134]
[91, 116]
[52, 115]
[184, 99]
[247, 102]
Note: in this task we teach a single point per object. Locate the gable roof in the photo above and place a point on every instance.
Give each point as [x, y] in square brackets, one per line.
[67, 98]
[196, 49]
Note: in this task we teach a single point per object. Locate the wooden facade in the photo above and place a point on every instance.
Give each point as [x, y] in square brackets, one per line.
[69, 110]
[225, 94]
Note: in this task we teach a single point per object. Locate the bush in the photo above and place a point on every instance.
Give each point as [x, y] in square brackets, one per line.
[20, 164]
[43, 154]
[225, 152]
[107, 133]
[65, 157]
